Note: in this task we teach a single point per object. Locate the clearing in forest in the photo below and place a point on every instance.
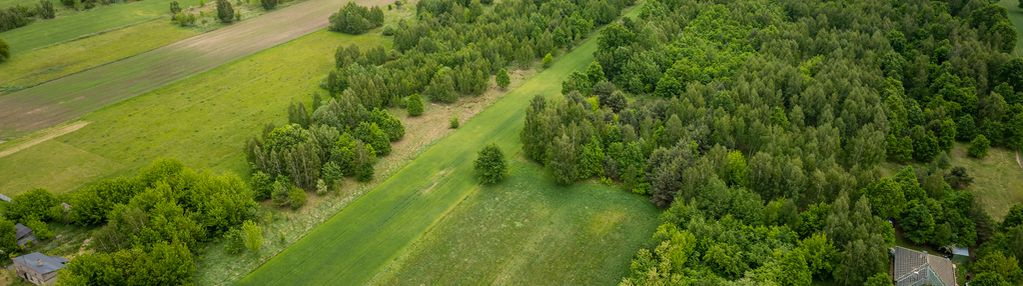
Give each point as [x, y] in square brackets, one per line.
[1016, 17]
[997, 179]
[78, 94]
[377, 228]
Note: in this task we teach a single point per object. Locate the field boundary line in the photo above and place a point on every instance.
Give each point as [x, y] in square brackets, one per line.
[46, 136]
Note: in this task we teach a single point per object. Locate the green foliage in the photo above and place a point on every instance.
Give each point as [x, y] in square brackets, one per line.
[8, 238]
[371, 134]
[253, 235]
[442, 87]
[45, 9]
[161, 264]
[262, 185]
[502, 78]
[453, 123]
[979, 147]
[225, 12]
[37, 204]
[389, 124]
[233, 242]
[562, 160]
[879, 279]
[918, 222]
[184, 19]
[490, 165]
[175, 7]
[354, 19]
[39, 229]
[296, 198]
[1004, 266]
[5, 51]
[414, 105]
[268, 4]
[547, 59]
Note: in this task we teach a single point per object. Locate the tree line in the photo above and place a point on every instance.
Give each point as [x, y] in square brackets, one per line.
[18, 15]
[723, 108]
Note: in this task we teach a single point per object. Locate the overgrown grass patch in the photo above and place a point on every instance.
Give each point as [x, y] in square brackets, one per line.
[997, 179]
[528, 231]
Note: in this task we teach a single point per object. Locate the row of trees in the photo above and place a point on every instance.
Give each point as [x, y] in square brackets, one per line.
[354, 19]
[719, 106]
[454, 48]
[18, 15]
[5, 51]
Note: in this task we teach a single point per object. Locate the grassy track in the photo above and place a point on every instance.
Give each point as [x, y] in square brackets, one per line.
[33, 67]
[100, 19]
[355, 244]
[527, 231]
[998, 180]
[203, 120]
[1016, 16]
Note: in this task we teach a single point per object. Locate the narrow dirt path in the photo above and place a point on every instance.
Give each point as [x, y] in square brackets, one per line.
[49, 134]
[71, 97]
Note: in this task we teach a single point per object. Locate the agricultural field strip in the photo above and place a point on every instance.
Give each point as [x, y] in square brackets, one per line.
[98, 20]
[377, 227]
[78, 94]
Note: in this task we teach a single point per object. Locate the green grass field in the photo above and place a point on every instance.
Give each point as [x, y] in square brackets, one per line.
[998, 179]
[97, 20]
[203, 120]
[33, 67]
[1016, 16]
[527, 231]
[358, 242]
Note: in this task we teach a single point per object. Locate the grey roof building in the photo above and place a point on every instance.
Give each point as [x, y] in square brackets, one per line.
[24, 234]
[915, 268]
[38, 268]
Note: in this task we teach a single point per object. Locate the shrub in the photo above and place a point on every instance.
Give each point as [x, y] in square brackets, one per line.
[454, 122]
[225, 12]
[233, 242]
[268, 4]
[354, 19]
[414, 106]
[979, 147]
[490, 165]
[39, 229]
[5, 51]
[14, 17]
[547, 59]
[175, 7]
[502, 78]
[35, 204]
[296, 198]
[252, 235]
[45, 9]
[184, 19]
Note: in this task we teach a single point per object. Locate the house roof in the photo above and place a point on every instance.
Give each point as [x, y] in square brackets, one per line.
[912, 267]
[22, 231]
[41, 263]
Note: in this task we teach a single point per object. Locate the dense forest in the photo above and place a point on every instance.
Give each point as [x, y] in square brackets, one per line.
[763, 126]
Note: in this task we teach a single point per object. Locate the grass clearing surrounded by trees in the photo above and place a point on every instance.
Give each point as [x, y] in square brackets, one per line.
[203, 121]
[357, 243]
[528, 231]
[1016, 17]
[997, 179]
